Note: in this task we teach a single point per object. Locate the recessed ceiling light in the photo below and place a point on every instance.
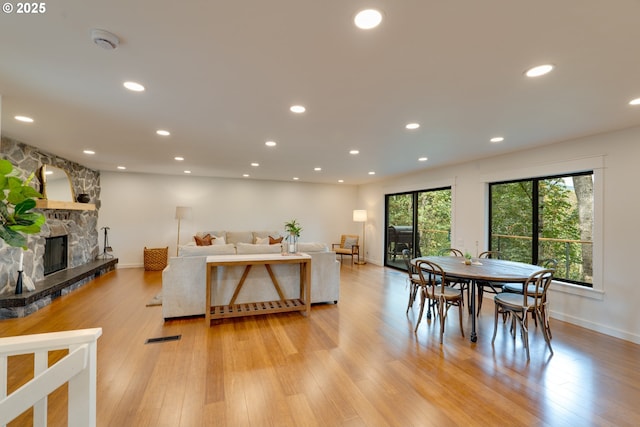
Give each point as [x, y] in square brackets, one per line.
[187, 172]
[24, 119]
[367, 19]
[178, 158]
[89, 152]
[317, 169]
[354, 152]
[133, 86]
[632, 102]
[163, 132]
[341, 181]
[412, 126]
[538, 71]
[255, 165]
[423, 159]
[245, 175]
[297, 109]
[270, 143]
[122, 168]
[497, 139]
[295, 178]
[372, 173]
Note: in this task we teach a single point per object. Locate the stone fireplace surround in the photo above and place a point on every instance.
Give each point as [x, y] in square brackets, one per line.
[80, 225]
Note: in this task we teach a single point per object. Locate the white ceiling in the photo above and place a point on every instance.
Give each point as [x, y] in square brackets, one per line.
[221, 75]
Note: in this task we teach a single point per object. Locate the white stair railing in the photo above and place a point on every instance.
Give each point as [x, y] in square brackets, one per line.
[78, 368]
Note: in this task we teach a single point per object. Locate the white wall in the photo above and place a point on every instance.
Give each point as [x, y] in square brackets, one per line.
[611, 309]
[140, 210]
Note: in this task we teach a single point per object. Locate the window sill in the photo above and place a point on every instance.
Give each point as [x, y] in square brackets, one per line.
[568, 288]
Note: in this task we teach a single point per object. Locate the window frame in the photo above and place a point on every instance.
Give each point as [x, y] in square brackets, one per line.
[535, 213]
[561, 168]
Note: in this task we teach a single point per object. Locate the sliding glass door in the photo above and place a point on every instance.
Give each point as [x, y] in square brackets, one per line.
[419, 221]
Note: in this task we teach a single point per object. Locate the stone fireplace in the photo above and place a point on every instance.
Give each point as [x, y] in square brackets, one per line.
[78, 225]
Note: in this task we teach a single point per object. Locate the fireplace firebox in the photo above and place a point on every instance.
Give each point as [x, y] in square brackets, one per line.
[55, 254]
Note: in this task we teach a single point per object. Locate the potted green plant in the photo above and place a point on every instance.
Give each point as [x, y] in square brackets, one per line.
[467, 258]
[293, 228]
[17, 199]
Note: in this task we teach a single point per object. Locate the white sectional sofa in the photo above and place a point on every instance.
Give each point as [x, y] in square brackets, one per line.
[183, 280]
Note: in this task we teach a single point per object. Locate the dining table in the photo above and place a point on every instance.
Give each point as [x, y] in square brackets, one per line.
[481, 269]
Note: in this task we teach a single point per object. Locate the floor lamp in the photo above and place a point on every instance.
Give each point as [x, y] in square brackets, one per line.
[360, 215]
[182, 212]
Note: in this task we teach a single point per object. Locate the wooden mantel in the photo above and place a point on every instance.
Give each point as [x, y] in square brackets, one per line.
[54, 204]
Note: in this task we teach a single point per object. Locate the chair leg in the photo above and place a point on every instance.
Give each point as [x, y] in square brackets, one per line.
[460, 307]
[422, 298]
[545, 331]
[525, 333]
[443, 316]
[480, 298]
[413, 290]
[495, 324]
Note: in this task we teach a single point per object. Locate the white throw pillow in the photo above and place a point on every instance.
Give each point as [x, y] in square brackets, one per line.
[349, 242]
[262, 241]
[218, 240]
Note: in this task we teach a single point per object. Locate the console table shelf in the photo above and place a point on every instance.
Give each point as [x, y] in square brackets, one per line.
[256, 308]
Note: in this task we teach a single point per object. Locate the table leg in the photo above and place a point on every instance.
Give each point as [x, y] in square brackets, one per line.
[472, 303]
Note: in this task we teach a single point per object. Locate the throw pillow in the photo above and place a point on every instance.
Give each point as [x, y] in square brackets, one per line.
[349, 242]
[275, 241]
[219, 240]
[204, 241]
[262, 241]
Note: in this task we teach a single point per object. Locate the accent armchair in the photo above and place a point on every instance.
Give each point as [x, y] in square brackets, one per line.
[348, 246]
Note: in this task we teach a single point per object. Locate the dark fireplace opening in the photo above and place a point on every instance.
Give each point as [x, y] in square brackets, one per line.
[55, 254]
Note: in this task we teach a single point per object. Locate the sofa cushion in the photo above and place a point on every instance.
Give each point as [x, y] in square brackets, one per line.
[312, 247]
[204, 241]
[248, 248]
[239, 237]
[189, 250]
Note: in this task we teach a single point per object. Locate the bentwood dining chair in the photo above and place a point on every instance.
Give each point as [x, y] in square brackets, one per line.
[517, 288]
[463, 284]
[433, 288]
[485, 286]
[532, 300]
[414, 278]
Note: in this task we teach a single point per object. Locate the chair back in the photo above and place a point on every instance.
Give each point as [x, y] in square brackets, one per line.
[344, 238]
[406, 256]
[550, 264]
[536, 287]
[451, 252]
[490, 254]
[432, 277]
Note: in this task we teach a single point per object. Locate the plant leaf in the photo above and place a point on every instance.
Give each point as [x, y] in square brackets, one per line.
[5, 167]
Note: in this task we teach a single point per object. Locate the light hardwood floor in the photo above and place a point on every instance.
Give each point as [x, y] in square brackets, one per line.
[357, 363]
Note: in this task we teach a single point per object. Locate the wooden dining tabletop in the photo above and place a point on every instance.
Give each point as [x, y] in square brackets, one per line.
[483, 269]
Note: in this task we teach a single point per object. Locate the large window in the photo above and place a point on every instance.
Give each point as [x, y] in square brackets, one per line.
[537, 219]
[419, 221]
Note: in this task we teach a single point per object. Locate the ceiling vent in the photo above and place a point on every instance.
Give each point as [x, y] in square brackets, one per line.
[105, 39]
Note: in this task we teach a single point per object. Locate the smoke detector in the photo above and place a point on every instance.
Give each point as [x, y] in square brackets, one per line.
[104, 39]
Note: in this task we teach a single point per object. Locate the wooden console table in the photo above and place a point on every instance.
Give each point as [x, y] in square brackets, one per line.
[284, 304]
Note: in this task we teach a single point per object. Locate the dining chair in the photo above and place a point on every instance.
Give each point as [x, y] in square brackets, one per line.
[434, 289]
[463, 284]
[486, 286]
[532, 300]
[517, 288]
[413, 280]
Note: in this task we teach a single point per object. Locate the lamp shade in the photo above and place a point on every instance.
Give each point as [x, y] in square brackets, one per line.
[183, 212]
[359, 215]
